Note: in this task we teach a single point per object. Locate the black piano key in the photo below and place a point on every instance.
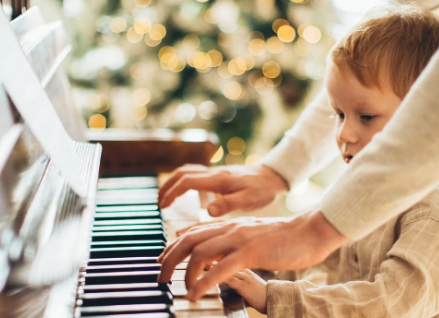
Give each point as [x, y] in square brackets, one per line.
[122, 268]
[123, 309]
[120, 277]
[142, 227]
[125, 235]
[123, 287]
[124, 260]
[124, 298]
[126, 215]
[128, 222]
[127, 208]
[132, 251]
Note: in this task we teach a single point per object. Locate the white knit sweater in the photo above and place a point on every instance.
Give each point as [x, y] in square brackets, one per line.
[394, 171]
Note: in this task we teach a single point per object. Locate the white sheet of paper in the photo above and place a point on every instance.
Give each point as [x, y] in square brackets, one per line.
[31, 100]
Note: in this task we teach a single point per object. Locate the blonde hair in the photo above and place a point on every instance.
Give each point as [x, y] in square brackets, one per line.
[392, 49]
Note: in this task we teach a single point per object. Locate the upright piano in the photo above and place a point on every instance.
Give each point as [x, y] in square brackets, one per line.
[94, 255]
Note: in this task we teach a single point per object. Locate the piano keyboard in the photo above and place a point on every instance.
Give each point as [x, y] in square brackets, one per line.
[119, 280]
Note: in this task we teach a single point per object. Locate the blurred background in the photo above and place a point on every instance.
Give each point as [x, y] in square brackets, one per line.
[242, 69]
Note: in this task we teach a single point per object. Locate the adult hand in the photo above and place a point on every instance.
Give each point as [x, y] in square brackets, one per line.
[245, 188]
[287, 244]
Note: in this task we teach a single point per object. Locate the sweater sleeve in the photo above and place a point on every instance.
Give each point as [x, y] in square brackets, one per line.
[406, 285]
[308, 146]
[396, 169]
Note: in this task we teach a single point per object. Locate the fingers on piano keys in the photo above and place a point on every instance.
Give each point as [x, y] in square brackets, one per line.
[120, 278]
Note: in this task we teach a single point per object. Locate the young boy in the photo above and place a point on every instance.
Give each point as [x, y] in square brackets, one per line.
[394, 271]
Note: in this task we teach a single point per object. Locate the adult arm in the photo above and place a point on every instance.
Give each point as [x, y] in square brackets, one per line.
[406, 285]
[398, 168]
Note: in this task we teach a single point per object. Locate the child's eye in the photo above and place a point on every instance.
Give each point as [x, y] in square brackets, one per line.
[367, 117]
[340, 116]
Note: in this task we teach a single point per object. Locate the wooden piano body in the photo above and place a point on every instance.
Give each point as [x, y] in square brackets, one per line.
[44, 224]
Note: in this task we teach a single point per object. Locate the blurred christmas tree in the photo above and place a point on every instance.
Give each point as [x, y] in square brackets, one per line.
[216, 65]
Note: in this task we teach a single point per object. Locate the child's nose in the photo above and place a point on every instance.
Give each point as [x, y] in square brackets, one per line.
[346, 133]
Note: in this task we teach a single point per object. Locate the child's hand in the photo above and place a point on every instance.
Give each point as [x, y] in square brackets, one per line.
[251, 287]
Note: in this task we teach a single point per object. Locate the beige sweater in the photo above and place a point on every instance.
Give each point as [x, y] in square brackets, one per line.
[392, 272]
[397, 169]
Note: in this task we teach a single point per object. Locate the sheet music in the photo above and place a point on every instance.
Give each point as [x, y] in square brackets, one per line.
[25, 90]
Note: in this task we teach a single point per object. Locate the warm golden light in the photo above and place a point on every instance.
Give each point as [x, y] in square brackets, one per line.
[286, 33]
[167, 49]
[218, 155]
[141, 96]
[181, 64]
[223, 70]
[100, 103]
[202, 0]
[97, 121]
[142, 25]
[118, 25]
[139, 113]
[237, 66]
[274, 45]
[249, 61]
[192, 41]
[312, 34]
[150, 42]
[252, 159]
[138, 70]
[257, 47]
[264, 86]
[201, 60]
[236, 146]
[299, 1]
[301, 28]
[271, 69]
[278, 23]
[143, 3]
[216, 57]
[157, 32]
[232, 90]
[133, 36]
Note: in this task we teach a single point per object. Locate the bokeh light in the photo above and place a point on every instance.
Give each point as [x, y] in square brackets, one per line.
[139, 113]
[216, 57]
[208, 110]
[141, 96]
[185, 113]
[234, 160]
[133, 36]
[223, 70]
[218, 155]
[118, 25]
[312, 34]
[233, 90]
[192, 41]
[286, 33]
[278, 23]
[157, 32]
[142, 25]
[97, 121]
[274, 45]
[236, 146]
[237, 66]
[150, 42]
[271, 69]
[257, 47]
